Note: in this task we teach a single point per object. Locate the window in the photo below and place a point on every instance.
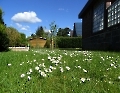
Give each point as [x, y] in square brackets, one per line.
[98, 16]
[114, 13]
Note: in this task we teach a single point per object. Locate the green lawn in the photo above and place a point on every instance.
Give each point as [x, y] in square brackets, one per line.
[59, 71]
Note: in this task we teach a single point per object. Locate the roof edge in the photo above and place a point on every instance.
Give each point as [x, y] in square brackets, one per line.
[80, 15]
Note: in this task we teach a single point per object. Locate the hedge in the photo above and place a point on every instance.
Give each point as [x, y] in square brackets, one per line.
[69, 42]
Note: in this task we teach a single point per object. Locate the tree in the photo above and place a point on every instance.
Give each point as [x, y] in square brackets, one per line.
[14, 36]
[33, 36]
[23, 40]
[46, 34]
[63, 32]
[1, 15]
[4, 41]
[40, 31]
[53, 33]
[53, 28]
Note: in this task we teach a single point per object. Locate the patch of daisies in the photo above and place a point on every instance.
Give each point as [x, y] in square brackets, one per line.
[57, 63]
[42, 69]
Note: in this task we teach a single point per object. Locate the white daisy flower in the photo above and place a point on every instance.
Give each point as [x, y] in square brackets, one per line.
[111, 64]
[36, 68]
[118, 77]
[28, 73]
[20, 64]
[79, 66]
[68, 68]
[43, 59]
[83, 79]
[22, 75]
[34, 60]
[61, 69]
[43, 74]
[49, 57]
[29, 77]
[9, 64]
[84, 70]
[30, 70]
[49, 70]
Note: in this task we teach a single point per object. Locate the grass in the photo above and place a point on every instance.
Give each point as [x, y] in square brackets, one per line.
[59, 71]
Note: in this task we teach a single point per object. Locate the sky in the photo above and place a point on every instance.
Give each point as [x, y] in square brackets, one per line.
[27, 15]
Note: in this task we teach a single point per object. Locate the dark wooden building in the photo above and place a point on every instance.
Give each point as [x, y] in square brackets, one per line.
[101, 25]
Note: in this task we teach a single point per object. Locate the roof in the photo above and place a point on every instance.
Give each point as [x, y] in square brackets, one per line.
[85, 8]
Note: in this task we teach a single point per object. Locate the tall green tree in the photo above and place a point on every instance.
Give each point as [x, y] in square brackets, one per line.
[4, 41]
[14, 36]
[53, 28]
[40, 32]
[23, 40]
[33, 36]
[1, 17]
[46, 34]
[53, 33]
[63, 32]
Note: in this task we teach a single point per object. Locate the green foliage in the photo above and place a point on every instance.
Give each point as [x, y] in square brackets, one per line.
[14, 36]
[4, 41]
[53, 28]
[1, 15]
[63, 32]
[53, 33]
[33, 36]
[69, 42]
[47, 44]
[23, 40]
[10, 36]
[40, 32]
[46, 35]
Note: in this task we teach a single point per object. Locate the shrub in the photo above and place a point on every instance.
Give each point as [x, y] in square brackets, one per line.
[69, 42]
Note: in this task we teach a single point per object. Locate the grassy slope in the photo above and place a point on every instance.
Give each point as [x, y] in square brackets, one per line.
[103, 69]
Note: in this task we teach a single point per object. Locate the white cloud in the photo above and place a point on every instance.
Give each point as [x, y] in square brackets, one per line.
[29, 17]
[61, 9]
[25, 28]
[19, 25]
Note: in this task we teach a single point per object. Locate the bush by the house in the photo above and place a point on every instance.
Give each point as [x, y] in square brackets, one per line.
[69, 42]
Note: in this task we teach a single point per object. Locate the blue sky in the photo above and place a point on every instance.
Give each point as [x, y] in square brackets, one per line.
[27, 15]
